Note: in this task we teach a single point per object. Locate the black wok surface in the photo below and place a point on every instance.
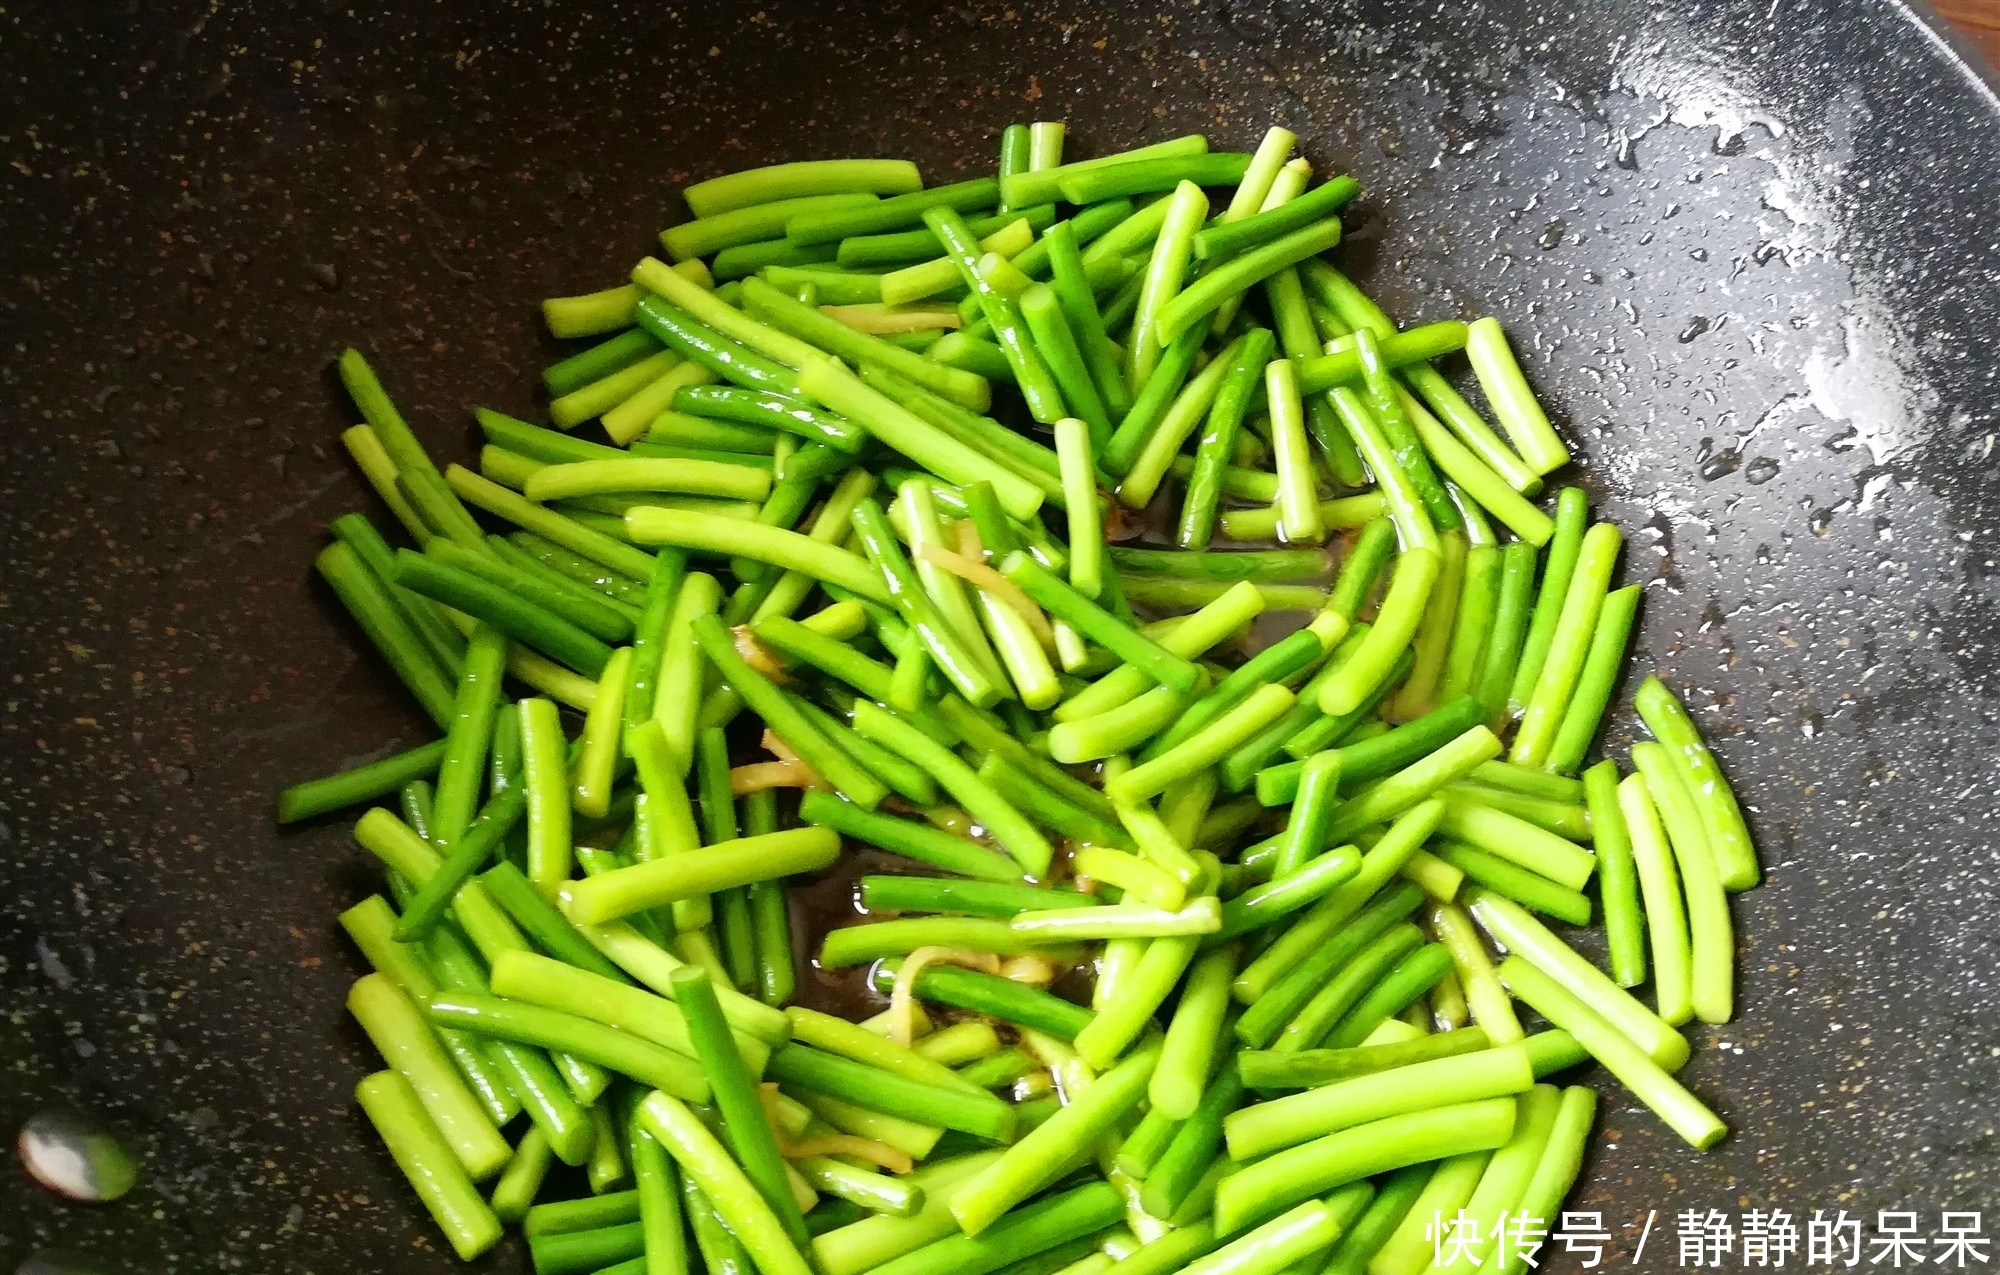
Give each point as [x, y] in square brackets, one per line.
[1747, 251]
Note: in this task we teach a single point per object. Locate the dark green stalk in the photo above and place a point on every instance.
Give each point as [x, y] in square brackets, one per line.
[517, 618]
[801, 645]
[1403, 986]
[878, 1090]
[971, 898]
[1307, 730]
[1146, 176]
[368, 599]
[1330, 1003]
[1382, 755]
[1058, 344]
[540, 921]
[823, 330]
[446, 644]
[1380, 392]
[1269, 1012]
[1032, 1229]
[1300, 887]
[981, 732]
[1229, 278]
[1392, 1202]
[1276, 663]
[585, 1252]
[1016, 144]
[1721, 817]
[1369, 553]
[363, 783]
[461, 860]
[584, 571]
[1298, 341]
[991, 995]
[749, 1131]
[565, 600]
[1218, 437]
[1472, 623]
[726, 358]
[1037, 185]
[576, 592]
[907, 247]
[743, 260]
[1558, 564]
[1194, 1147]
[659, 1204]
[917, 608]
[527, 1071]
[721, 1254]
[770, 916]
[1356, 311]
[399, 440]
[1147, 1142]
[1046, 806]
[1226, 238]
[1099, 625]
[1079, 307]
[1000, 1070]
[1310, 1068]
[770, 411]
[588, 1214]
[917, 841]
[1276, 1182]
[902, 210]
[1517, 883]
[599, 361]
[1031, 373]
[1152, 402]
[649, 634]
[1512, 615]
[783, 717]
[1342, 367]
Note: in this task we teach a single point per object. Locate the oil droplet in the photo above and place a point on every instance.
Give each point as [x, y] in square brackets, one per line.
[1720, 465]
[1695, 327]
[1552, 234]
[1760, 470]
[76, 1156]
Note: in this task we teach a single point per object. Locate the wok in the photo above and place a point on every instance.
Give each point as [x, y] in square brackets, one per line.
[1745, 249]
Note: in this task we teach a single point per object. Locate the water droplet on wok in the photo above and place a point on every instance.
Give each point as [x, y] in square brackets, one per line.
[1720, 465]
